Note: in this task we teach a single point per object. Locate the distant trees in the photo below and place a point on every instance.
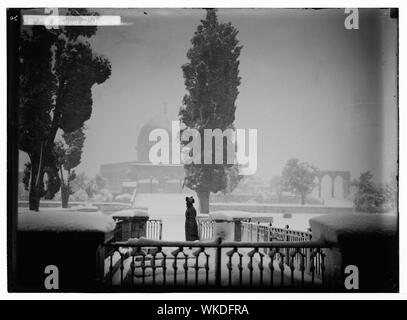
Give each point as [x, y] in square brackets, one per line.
[84, 188]
[211, 79]
[298, 177]
[374, 198]
[58, 69]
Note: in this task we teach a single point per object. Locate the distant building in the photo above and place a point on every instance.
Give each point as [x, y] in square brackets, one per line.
[141, 173]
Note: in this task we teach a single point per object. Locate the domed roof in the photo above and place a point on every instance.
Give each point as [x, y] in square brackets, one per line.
[143, 144]
[159, 121]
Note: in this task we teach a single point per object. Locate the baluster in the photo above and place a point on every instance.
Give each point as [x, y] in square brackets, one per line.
[175, 267]
[185, 266]
[164, 265]
[121, 268]
[196, 254]
[281, 265]
[111, 268]
[291, 264]
[143, 269]
[312, 265]
[302, 266]
[207, 269]
[133, 269]
[153, 265]
[240, 266]
[251, 254]
[261, 268]
[257, 231]
[250, 267]
[322, 266]
[218, 263]
[229, 266]
[175, 264]
[271, 254]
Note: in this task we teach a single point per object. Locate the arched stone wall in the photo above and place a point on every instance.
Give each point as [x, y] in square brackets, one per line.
[338, 187]
[333, 175]
[325, 186]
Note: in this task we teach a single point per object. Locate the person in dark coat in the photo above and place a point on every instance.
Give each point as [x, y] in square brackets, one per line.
[191, 227]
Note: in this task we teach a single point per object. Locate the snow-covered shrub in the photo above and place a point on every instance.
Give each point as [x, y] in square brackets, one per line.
[79, 195]
[125, 197]
[103, 195]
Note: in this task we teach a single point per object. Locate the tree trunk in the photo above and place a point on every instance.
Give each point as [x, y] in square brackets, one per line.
[303, 199]
[64, 195]
[34, 199]
[203, 201]
[34, 193]
[64, 189]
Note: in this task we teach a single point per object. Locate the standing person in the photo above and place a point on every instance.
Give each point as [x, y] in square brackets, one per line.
[191, 227]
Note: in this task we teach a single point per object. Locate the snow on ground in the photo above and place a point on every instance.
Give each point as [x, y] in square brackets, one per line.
[170, 208]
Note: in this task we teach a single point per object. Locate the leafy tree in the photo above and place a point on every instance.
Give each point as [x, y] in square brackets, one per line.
[298, 178]
[69, 155]
[391, 190]
[368, 197]
[211, 79]
[57, 71]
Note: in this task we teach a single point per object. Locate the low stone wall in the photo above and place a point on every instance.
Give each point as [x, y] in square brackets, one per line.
[70, 241]
[132, 223]
[102, 206]
[363, 247]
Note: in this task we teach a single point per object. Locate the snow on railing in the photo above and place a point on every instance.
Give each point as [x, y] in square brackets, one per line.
[144, 262]
[261, 232]
[154, 229]
[205, 228]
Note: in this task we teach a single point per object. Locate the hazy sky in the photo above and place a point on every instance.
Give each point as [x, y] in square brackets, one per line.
[311, 88]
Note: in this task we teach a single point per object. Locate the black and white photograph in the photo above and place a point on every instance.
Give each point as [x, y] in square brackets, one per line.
[203, 150]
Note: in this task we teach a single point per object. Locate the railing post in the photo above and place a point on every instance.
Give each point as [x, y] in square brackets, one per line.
[223, 225]
[218, 262]
[257, 231]
[134, 222]
[287, 250]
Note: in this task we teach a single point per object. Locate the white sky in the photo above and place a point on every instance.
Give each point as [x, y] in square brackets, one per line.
[311, 88]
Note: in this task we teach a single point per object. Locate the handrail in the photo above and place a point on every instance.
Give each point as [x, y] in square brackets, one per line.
[144, 242]
[276, 244]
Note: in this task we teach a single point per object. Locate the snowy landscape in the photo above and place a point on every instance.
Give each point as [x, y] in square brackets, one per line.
[208, 147]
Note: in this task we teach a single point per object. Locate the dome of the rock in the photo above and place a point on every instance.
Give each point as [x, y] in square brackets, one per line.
[143, 143]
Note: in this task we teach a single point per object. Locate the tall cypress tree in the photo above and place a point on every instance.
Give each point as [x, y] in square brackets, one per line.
[211, 79]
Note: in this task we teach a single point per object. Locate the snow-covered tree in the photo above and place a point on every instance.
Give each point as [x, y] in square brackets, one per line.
[211, 79]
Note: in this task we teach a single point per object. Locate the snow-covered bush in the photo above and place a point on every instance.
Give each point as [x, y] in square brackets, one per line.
[125, 197]
[79, 195]
[103, 195]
